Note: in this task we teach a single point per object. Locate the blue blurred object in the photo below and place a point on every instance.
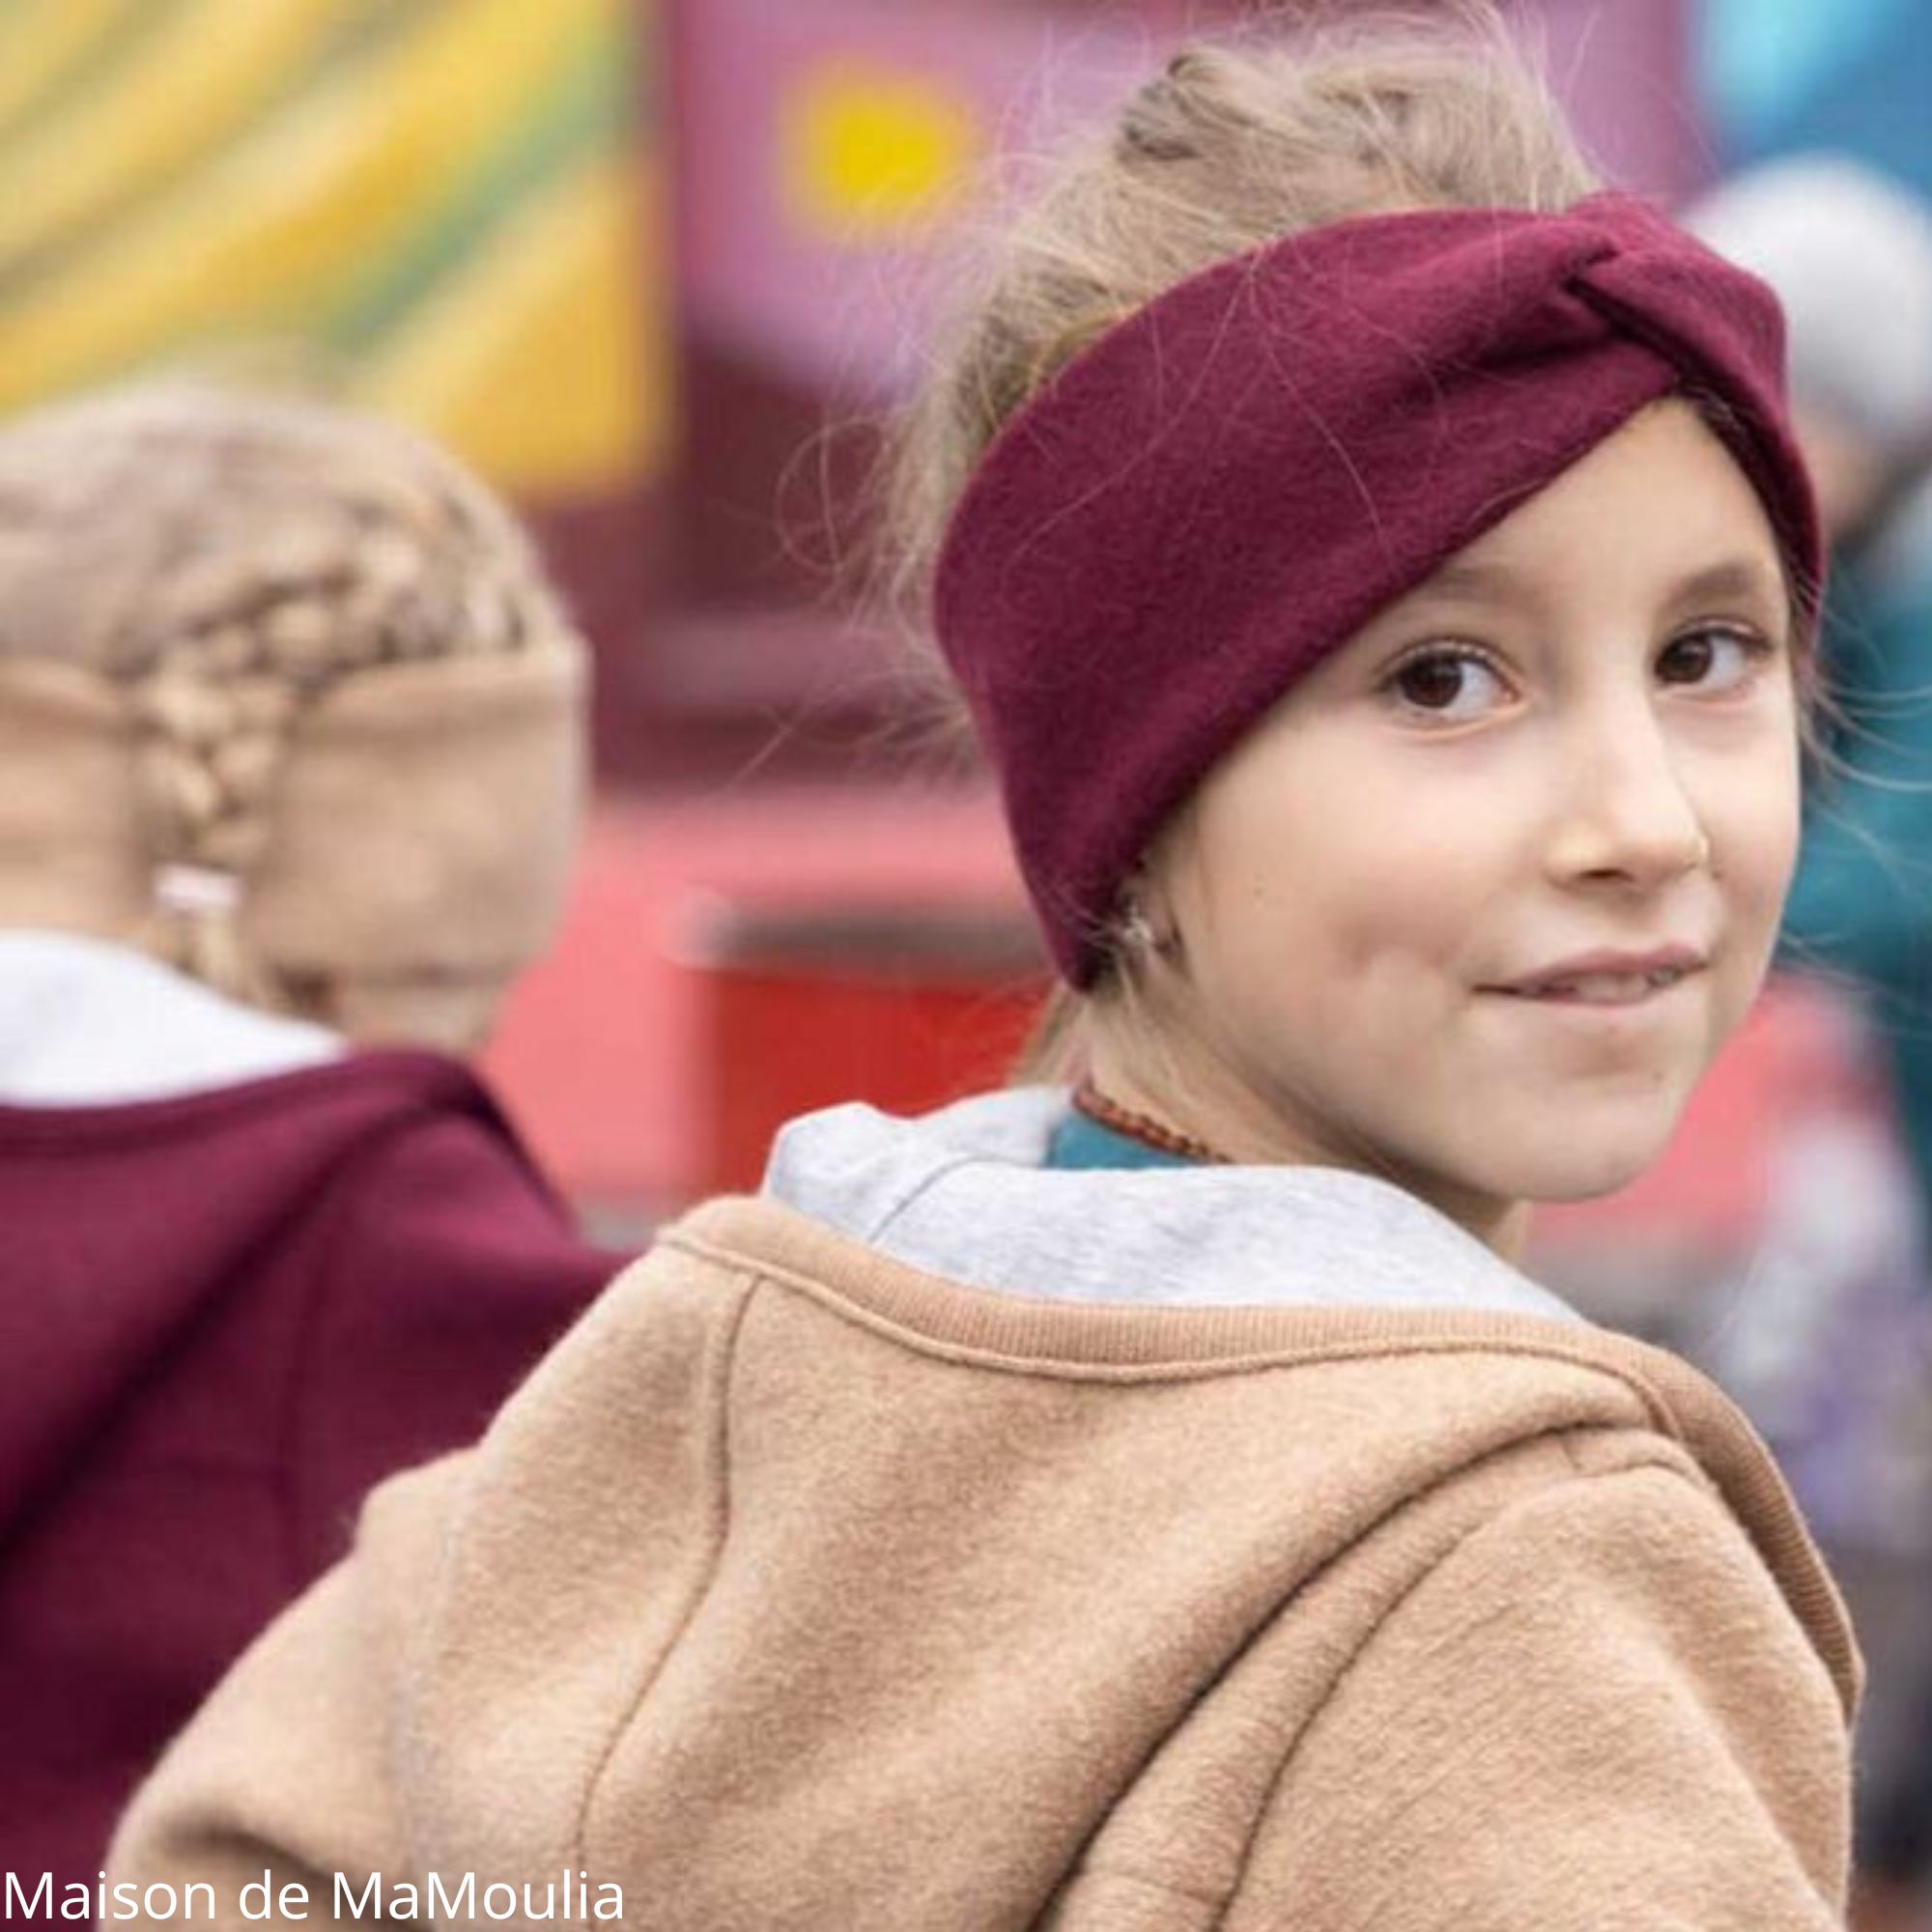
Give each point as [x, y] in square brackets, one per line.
[1853, 74]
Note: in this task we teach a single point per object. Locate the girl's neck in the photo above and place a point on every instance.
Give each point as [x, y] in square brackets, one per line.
[1224, 1117]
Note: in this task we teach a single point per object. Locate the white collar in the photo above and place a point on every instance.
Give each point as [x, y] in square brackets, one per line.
[87, 1023]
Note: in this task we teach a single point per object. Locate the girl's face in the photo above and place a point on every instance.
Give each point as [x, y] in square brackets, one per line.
[1477, 902]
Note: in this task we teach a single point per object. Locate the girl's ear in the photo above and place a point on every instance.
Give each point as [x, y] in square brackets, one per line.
[1146, 924]
[1160, 878]
[1137, 932]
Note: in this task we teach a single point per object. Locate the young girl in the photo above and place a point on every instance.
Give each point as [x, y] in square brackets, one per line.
[293, 739]
[1380, 573]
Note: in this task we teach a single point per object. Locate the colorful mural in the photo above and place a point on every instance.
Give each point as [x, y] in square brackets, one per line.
[441, 208]
[826, 144]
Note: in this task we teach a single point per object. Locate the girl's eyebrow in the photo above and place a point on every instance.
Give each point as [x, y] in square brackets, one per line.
[1734, 577]
[1468, 576]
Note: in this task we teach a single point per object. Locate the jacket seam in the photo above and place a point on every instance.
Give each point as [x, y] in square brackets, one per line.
[1263, 1358]
[1560, 1435]
[1565, 1440]
[1758, 1497]
[719, 1379]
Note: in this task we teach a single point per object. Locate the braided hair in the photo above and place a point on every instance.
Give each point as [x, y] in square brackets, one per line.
[226, 560]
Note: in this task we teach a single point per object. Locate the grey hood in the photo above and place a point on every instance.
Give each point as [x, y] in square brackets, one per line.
[962, 1193]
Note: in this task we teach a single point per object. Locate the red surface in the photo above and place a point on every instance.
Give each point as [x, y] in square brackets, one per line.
[786, 1041]
[644, 1062]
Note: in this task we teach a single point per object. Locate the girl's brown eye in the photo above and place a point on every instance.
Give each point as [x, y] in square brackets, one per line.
[1433, 683]
[1716, 657]
[1686, 660]
[1449, 682]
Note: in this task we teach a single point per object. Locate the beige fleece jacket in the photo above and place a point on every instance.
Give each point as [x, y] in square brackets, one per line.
[799, 1589]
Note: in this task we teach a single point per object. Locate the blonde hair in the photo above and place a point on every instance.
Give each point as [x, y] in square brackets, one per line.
[225, 562]
[1228, 147]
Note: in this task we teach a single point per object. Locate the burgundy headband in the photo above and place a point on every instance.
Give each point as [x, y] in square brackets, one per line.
[1235, 479]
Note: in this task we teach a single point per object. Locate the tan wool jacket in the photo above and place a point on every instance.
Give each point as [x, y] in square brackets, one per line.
[804, 1591]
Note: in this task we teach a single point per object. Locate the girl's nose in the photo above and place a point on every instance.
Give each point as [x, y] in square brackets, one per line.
[1623, 814]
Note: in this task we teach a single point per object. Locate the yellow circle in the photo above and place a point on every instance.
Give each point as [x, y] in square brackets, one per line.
[870, 150]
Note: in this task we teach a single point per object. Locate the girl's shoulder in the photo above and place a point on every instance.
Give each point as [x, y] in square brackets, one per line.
[1333, 1422]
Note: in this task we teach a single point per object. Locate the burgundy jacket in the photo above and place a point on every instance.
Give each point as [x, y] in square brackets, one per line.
[222, 1317]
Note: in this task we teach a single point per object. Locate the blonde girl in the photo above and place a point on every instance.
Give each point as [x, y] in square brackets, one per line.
[259, 660]
[291, 730]
[1380, 574]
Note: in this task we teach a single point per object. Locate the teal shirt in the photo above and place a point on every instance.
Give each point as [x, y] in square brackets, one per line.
[1080, 1142]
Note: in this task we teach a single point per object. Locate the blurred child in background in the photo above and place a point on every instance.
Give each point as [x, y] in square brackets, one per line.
[292, 731]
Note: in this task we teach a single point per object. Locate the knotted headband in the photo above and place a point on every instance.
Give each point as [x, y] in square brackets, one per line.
[1235, 479]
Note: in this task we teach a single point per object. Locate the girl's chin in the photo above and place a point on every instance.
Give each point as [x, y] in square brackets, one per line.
[1568, 1182]
[1565, 1165]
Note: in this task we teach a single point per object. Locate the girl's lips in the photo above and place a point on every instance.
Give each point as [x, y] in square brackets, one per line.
[1607, 979]
[1607, 974]
[1600, 989]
